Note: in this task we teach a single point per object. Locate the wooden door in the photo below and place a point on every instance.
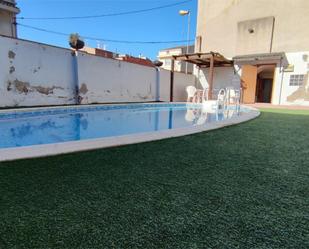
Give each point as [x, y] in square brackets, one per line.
[248, 82]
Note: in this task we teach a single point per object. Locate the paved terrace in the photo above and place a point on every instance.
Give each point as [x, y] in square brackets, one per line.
[283, 107]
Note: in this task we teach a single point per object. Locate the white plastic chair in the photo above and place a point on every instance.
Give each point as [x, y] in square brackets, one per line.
[191, 91]
[231, 95]
[221, 100]
[202, 119]
[190, 115]
[205, 95]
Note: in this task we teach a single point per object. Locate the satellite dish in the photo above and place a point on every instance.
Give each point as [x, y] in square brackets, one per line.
[158, 63]
[75, 42]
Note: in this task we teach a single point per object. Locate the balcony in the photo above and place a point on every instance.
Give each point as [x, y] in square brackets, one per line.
[9, 5]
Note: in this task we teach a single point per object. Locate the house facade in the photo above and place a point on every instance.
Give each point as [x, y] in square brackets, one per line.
[165, 57]
[268, 41]
[8, 12]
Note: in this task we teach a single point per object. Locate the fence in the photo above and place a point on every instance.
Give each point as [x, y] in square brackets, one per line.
[34, 74]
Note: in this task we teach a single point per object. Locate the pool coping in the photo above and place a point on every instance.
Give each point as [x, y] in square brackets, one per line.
[94, 107]
[37, 151]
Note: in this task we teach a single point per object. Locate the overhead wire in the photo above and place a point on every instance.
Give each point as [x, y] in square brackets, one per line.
[102, 39]
[108, 14]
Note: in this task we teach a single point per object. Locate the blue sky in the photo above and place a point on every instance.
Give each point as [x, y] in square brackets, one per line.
[159, 25]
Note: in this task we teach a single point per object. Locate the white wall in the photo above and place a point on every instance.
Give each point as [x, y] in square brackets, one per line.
[181, 81]
[103, 80]
[292, 95]
[223, 77]
[34, 74]
[179, 66]
[165, 85]
[5, 23]
[218, 24]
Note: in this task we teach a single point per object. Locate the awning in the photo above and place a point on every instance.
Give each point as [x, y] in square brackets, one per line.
[204, 59]
[258, 59]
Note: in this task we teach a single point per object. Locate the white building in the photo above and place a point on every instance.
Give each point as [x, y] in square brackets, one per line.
[165, 57]
[8, 12]
[268, 41]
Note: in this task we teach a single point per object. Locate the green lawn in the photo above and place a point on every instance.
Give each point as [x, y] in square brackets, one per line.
[245, 186]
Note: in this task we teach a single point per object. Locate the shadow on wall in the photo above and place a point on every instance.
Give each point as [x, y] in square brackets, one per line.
[223, 77]
[302, 93]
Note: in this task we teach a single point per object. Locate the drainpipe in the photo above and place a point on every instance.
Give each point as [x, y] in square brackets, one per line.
[172, 81]
[272, 37]
[158, 84]
[76, 43]
[75, 77]
[281, 85]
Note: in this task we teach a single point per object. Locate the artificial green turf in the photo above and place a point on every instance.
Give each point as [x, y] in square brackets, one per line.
[245, 186]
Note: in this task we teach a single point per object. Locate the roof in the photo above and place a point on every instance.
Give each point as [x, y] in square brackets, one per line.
[136, 60]
[264, 58]
[204, 59]
[178, 47]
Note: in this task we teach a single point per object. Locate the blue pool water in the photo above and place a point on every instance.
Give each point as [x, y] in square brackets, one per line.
[72, 124]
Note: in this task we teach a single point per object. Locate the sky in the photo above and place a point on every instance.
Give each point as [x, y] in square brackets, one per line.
[158, 25]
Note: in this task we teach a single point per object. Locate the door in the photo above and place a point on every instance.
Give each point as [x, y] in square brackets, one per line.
[264, 90]
[248, 83]
[265, 83]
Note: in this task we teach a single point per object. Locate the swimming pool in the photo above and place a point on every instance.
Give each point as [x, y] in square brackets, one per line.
[43, 126]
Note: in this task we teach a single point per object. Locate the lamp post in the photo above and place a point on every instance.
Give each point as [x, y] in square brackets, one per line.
[187, 13]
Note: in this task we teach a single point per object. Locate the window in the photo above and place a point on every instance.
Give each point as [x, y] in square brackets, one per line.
[297, 79]
[168, 62]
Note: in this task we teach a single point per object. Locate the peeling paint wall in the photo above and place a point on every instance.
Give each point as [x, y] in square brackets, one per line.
[104, 80]
[34, 74]
[292, 95]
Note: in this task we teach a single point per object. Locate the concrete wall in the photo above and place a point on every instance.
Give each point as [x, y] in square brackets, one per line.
[278, 26]
[33, 74]
[103, 80]
[8, 11]
[165, 85]
[218, 24]
[6, 23]
[181, 81]
[255, 36]
[223, 77]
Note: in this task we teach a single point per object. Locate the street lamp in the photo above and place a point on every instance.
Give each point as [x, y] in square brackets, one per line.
[187, 13]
